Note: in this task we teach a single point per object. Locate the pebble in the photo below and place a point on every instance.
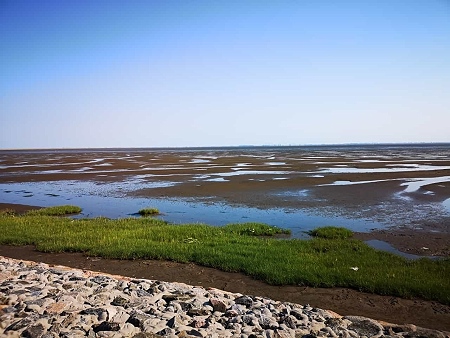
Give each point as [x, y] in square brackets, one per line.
[42, 301]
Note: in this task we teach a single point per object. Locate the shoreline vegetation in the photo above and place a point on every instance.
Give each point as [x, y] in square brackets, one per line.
[149, 212]
[331, 258]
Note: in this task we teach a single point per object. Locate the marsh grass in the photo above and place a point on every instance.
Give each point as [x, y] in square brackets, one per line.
[255, 229]
[330, 232]
[148, 212]
[61, 210]
[319, 262]
[7, 212]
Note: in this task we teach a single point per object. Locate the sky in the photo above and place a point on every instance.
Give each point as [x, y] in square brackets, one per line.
[79, 73]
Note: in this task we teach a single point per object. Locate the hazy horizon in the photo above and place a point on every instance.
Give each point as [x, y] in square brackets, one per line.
[244, 146]
[170, 74]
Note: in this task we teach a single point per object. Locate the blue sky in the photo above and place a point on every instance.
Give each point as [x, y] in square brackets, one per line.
[211, 73]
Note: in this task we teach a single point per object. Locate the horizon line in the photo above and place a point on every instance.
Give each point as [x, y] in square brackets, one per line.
[241, 146]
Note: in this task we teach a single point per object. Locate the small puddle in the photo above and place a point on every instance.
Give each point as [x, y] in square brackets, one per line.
[384, 246]
[295, 193]
[238, 171]
[396, 168]
[199, 160]
[446, 204]
[275, 163]
[351, 182]
[417, 183]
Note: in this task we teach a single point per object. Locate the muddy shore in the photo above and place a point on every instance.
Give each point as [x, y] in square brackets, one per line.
[403, 191]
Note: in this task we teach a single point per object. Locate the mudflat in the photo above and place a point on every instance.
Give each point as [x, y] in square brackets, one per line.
[401, 192]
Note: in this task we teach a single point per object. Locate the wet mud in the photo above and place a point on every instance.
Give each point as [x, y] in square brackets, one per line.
[398, 194]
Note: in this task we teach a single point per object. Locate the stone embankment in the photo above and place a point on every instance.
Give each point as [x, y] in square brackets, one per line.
[42, 301]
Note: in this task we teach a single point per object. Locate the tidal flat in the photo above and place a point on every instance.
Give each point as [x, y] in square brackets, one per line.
[394, 193]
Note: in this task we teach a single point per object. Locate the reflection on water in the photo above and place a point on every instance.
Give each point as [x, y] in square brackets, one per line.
[417, 183]
[351, 182]
[447, 204]
[295, 193]
[387, 169]
[110, 200]
[384, 246]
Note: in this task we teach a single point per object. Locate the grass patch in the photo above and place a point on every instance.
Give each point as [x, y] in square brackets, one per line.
[331, 233]
[7, 212]
[319, 262]
[149, 212]
[255, 229]
[61, 210]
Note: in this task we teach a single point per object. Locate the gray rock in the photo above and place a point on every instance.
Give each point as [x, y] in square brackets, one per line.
[365, 326]
[34, 331]
[106, 326]
[290, 322]
[49, 303]
[244, 300]
[165, 332]
[22, 323]
[120, 301]
[175, 322]
[146, 335]
[92, 311]
[138, 319]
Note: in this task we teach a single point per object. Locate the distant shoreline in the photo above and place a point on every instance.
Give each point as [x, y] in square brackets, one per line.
[240, 147]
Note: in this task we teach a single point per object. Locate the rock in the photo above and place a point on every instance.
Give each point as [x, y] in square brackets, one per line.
[282, 334]
[218, 305]
[198, 312]
[231, 313]
[22, 323]
[121, 317]
[92, 311]
[267, 323]
[120, 301]
[244, 300]
[127, 330]
[365, 326]
[34, 331]
[194, 333]
[42, 302]
[175, 322]
[290, 322]
[146, 335]
[165, 332]
[138, 319]
[198, 323]
[111, 311]
[106, 326]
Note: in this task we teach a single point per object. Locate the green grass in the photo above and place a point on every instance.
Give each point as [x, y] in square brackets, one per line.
[149, 212]
[61, 210]
[255, 229]
[331, 233]
[246, 248]
[7, 212]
